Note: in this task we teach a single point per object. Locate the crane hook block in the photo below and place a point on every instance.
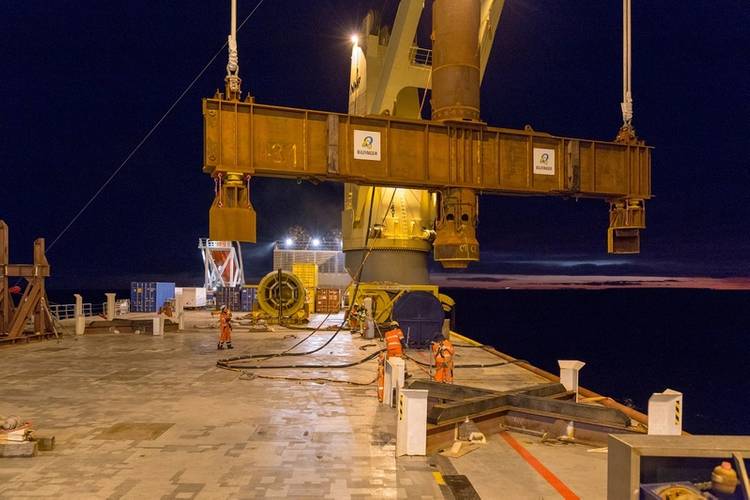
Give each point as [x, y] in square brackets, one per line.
[232, 217]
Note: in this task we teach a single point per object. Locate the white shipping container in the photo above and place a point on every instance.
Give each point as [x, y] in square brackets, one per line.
[192, 297]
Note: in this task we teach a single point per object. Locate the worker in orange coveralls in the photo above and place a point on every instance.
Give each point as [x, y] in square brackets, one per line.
[442, 352]
[393, 338]
[225, 328]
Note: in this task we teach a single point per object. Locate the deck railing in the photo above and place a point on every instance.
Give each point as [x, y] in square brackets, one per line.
[420, 57]
[90, 309]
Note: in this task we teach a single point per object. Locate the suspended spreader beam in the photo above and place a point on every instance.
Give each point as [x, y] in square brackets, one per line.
[260, 140]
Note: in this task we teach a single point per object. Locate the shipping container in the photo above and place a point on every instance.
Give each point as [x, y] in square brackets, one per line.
[192, 297]
[307, 274]
[310, 299]
[248, 298]
[235, 298]
[327, 300]
[150, 296]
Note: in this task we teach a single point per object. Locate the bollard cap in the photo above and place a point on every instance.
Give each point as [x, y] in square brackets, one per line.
[572, 364]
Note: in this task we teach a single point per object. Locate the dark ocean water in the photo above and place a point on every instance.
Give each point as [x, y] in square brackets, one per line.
[634, 342]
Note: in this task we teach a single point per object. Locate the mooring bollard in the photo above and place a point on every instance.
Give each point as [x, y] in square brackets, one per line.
[411, 429]
[569, 369]
[394, 380]
[665, 413]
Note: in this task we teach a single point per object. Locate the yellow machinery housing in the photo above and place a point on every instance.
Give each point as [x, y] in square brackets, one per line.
[385, 295]
[307, 272]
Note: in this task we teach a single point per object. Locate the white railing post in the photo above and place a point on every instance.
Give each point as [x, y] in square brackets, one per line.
[78, 314]
[110, 306]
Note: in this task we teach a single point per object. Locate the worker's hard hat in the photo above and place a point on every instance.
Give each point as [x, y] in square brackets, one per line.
[394, 323]
[223, 307]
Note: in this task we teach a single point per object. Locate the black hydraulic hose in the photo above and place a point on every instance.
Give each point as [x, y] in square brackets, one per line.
[228, 366]
[366, 254]
[473, 365]
[227, 362]
[283, 353]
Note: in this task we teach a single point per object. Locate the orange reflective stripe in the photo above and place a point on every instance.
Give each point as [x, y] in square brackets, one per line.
[543, 471]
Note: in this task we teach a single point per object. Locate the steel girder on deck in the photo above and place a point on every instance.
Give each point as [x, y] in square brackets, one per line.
[459, 402]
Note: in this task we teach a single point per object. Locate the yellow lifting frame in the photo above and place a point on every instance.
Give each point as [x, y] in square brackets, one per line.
[260, 140]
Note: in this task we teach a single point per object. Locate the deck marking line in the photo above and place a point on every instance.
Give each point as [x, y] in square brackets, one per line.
[438, 478]
[543, 471]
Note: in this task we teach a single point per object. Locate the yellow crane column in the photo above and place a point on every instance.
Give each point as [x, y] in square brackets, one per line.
[385, 80]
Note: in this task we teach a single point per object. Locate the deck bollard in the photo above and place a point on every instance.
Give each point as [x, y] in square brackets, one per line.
[569, 369]
[394, 380]
[110, 306]
[411, 429]
[665, 413]
[78, 315]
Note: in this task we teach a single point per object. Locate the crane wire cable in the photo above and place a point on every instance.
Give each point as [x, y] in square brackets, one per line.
[150, 132]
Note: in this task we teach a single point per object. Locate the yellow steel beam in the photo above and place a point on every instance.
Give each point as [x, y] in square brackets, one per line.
[250, 139]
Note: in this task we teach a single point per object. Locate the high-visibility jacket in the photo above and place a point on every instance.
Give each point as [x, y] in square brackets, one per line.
[225, 326]
[393, 340]
[443, 352]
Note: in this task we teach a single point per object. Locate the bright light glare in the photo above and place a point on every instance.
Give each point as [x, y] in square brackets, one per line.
[288, 242]
[355, 39]
[315, 242]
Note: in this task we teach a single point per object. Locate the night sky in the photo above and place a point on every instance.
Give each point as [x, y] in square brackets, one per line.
[83, 81]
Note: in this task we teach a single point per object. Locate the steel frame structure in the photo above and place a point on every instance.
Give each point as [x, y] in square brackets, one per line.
[222, 264]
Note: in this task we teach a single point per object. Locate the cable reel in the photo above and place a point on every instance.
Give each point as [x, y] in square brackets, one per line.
[281, 293]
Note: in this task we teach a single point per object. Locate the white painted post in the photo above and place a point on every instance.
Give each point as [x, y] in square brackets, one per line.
[78, 311]
[569, 369]
[394, 380]
[665, 413]
[158, 322]
[179, 304]
[78, 315]
[110, 306]
[411, 429]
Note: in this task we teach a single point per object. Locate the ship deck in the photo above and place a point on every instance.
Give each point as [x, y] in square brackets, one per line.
[141, 416]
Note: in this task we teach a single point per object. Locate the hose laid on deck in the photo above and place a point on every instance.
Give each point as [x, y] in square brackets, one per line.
[472, 365]
[227, 364]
